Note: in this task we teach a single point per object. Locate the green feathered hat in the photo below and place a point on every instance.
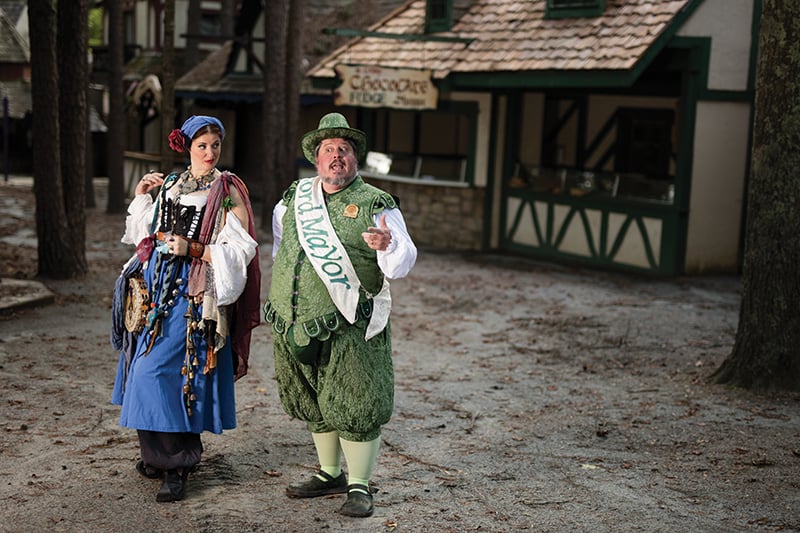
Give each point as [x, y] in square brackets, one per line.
[333, 126]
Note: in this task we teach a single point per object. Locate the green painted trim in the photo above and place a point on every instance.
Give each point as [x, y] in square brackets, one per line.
[435, 24]
[623, 231]
[589, 9]
[727, 96]
[488, 200]
[648, 248]
[510, 153]
[601, 254]
[694, 80]
[699, 50]
[350, 32]
[542, 79]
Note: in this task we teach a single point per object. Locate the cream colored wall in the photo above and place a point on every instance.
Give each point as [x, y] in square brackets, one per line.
[715, 209]
[181, 22]
[484, 101]
[144, 25]
[729, 24]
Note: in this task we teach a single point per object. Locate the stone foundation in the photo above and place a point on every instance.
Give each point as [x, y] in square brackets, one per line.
[439, 216]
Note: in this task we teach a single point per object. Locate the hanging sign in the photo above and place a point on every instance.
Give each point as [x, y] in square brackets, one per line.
[373, 86]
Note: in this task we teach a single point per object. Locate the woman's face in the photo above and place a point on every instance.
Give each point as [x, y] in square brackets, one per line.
[204, 153]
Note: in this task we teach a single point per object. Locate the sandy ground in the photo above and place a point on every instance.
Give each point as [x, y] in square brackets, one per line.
[528, 397]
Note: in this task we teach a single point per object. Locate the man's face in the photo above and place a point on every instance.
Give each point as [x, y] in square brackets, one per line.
[336, 164]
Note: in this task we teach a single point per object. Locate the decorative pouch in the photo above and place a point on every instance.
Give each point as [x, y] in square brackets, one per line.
[137, 303]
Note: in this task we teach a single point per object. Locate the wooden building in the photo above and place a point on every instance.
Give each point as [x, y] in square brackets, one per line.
[608, 133]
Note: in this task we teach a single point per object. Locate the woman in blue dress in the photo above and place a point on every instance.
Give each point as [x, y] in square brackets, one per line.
[197, 254]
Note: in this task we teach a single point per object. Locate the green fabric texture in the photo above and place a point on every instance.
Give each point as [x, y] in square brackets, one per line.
[327, 374]
[349, 389]
[297, 295]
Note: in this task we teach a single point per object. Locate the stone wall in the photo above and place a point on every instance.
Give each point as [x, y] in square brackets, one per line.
[440, 217]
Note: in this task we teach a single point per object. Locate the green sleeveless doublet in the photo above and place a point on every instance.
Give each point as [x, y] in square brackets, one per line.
[299, 301]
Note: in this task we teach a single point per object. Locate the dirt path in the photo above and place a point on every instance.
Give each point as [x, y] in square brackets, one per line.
[528, 397]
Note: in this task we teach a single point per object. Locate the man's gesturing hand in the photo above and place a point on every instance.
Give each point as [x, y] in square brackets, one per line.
[378, 238]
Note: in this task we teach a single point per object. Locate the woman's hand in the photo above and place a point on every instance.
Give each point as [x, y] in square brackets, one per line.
[149, 181]
[177, 245]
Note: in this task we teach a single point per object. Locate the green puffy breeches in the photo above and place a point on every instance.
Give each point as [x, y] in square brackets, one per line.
[348, 388]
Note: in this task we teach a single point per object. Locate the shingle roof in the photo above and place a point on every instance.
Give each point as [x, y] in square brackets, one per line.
[19, 97]
[13, 9]
[209, 76]
[513, 35]
[13, 48]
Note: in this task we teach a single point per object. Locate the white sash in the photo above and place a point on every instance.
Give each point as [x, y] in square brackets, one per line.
[330, 259]
[323, 248]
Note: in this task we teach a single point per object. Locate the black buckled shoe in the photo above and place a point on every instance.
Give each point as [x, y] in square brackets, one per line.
[148, 471]
[174, 486]
[359, 502]
[318, 487]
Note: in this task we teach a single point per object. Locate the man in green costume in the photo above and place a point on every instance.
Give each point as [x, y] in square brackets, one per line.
[336, 242]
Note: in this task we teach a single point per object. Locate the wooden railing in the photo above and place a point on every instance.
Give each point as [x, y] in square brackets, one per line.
[136, 165]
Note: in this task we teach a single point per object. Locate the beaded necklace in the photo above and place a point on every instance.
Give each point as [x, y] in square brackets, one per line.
[189, 184]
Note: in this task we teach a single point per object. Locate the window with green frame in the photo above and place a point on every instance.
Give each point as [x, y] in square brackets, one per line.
[438, 15]
[574, 8]
[424, 145]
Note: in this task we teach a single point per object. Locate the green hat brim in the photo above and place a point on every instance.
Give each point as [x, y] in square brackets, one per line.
[311, 139]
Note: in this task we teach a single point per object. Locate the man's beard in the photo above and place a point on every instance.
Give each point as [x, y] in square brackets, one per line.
[339, 182]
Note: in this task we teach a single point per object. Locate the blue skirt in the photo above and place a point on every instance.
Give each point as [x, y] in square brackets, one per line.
[151, 392]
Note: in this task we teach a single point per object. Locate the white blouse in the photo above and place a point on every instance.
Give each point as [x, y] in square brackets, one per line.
[231, 252]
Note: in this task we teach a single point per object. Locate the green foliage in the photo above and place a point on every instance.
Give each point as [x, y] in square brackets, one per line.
[96, 27]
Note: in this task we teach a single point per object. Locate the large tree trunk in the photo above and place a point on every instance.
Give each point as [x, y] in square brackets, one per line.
[192, 52]
[294, 76]
[228, 15]
[273, 108]
[116, 113]
[168, 86]
[766, 353]
[51, 220]
[73, 68]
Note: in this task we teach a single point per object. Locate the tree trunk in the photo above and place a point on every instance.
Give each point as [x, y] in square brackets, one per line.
[766, 352]
[51, 219]
[116, 113]
[294, 76]
[192, 56]
[73, 68]
[228, 15]
[274, 102]
[168, 86]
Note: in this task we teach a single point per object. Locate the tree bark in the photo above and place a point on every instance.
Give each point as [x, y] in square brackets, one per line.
[273, 114]
[294, 76]
[168, 86]
[766, 352]
[73, 68]
[116, 114]
[228, 15]
[51, 220]
[192, 52]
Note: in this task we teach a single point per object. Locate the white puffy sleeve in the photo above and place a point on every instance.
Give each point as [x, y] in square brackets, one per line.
[230, 255]
[140, 216]
[401, 255]
[277, 227]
